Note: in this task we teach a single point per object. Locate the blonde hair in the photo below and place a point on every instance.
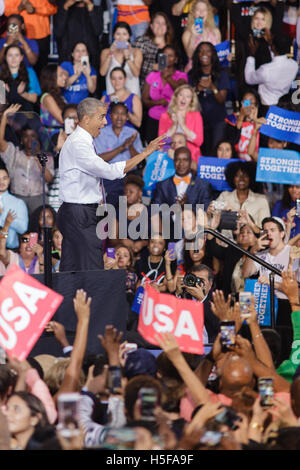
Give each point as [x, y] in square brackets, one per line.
[267, 15]
[209, 23]
[55, 375]
[194, 105]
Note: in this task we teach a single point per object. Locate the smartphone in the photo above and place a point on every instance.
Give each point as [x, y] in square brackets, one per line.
[171, 248]
[130, 347]
[13, 28]
[119, 438]
[266, 391]
[114, 380]
[228, 417]
[162, 61]
[84, 60]
[121, 44]
[211, 438]
[55, 254]
[2, 92]
[258, 33]
[227, 329]
[246, 103]
[148, 402]
[111, 253]
[69, 125]
[199, 25]
[245, 304]
[298, 207]
[67, 405]
[33, 239]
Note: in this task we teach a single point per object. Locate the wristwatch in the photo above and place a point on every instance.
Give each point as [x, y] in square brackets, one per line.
[215, 91]
[4, 234]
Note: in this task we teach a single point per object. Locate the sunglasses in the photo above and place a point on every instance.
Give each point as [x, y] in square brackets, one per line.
[25, 239]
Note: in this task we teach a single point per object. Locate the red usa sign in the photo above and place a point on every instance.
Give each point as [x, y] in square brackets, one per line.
[26, 306]
[164, 313]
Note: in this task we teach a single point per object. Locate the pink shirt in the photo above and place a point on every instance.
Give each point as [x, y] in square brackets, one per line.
[194, 122]
[159, 90]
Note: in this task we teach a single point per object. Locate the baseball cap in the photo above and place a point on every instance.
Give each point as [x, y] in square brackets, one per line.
[140, 362]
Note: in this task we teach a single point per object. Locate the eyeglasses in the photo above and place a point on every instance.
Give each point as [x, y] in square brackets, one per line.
[25, 239]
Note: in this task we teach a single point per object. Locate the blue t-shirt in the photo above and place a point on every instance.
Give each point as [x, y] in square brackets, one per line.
[31, 43]
[279, 211]
[34, 84]
[78, 91]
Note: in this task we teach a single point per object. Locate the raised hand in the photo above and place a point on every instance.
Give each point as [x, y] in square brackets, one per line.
[111, 343]
[168, 343]
[82, 305]
[155, 144]
[12, 109]
[219, 306]
[11, 216]
[59, 332]
[289, 286]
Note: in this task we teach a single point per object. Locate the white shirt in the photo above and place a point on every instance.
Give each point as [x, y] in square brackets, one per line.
[273, 79]
[81, 169]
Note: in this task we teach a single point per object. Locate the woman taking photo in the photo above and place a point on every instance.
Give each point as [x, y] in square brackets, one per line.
[21, 83]
[158, 90]
[158, 35]
[122, 95]
[53, 78]
[287, 207]
[81, 76]
[211, 83]
[122, 54]
[183, 116]
[201, 27]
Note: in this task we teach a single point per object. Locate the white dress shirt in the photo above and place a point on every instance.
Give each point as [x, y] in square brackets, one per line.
[81, 169]
[274, 79]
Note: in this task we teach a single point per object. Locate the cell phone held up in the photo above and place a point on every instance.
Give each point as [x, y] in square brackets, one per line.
[114, 379]
[227, 330]
[148, 402]
[162, 61]
[245, 304]
[266, 391]
[199, 25]
[298, 207]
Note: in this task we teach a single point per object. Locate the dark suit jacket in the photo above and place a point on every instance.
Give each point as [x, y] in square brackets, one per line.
[198, 192]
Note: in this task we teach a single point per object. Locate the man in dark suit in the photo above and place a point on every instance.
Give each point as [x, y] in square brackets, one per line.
[182, 188]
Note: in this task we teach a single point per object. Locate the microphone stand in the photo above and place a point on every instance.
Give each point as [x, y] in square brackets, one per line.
[43, 158]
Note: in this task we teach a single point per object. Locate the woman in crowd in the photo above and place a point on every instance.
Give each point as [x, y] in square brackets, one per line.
[183, 116]
[194, 34]
[16, 35]
[56, 248]
[23, 164]
[21, 83]
[81, 75]
[158, 90]
[240, 126]
[211, 83]
[261, 24]
[36, 219]
[133, 190]
[124, 259]
[29, 257]
[122, 54]
[288, 205]
[158, 35]
[225, 149]
[240, 176]
[27, 421]
[53, 78]
[121, 94]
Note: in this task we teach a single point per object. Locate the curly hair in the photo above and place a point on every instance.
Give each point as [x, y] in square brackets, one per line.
[136, 180]
[5, 73]
[194, 106]
[196, 71]
[48, 82]
[209, 23]
[249, 168]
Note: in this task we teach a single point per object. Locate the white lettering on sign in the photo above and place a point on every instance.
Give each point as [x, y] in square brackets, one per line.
[15, 319]
[186, 326]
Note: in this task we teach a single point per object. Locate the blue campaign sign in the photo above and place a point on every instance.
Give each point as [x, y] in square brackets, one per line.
[138, 300]
[262, 300]
[278, 166]
[212, 170]
[223, 49]
[282, 125]
[159, 167]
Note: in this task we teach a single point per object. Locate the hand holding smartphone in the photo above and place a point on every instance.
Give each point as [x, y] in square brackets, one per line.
[68, 424]
[33, 239]
[227, 329]
[148, 402]
[266, 391]
[171, 249]
[245, 304]
[199, 25]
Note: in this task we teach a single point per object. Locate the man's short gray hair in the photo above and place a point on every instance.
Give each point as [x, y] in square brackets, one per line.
[88, 107]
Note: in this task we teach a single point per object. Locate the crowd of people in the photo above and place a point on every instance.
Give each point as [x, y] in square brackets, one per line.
[154, 71]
